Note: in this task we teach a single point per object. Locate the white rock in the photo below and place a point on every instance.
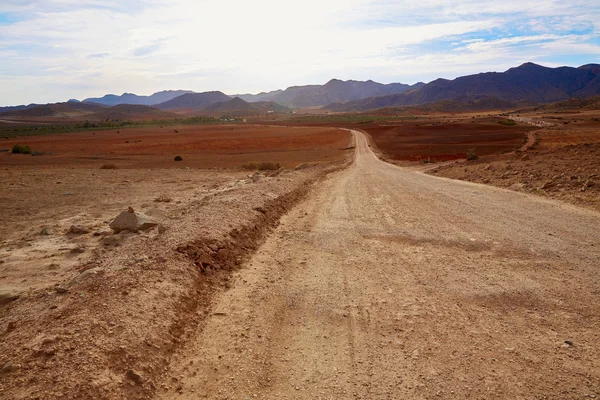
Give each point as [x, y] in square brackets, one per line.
[132, 221]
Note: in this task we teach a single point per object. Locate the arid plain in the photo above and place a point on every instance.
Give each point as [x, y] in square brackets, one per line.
[383, 282]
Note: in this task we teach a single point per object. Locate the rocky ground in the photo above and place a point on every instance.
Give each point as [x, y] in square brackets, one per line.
[89, 313]
[570, 173]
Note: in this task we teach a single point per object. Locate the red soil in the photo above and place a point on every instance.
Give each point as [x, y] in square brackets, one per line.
[205, 146]
[440, 141]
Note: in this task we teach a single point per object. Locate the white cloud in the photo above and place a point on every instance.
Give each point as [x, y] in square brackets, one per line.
[91, 47]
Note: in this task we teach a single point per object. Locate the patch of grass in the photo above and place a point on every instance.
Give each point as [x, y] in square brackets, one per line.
[178, 158]
[109, 166]
[263, 166]
[20, 149]
[507, 122]
[471, 155]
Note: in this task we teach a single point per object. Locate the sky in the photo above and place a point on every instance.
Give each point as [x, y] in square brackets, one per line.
[54, 50]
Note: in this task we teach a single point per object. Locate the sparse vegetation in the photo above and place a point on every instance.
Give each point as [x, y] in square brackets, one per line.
[8, 132]
[507, 122]
[109, 166]
[21, 149]
[471, 155]
[37, 153]
[263, 166]
[178, 158]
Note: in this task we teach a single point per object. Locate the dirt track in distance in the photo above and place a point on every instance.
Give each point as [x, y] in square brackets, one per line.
[391, 284]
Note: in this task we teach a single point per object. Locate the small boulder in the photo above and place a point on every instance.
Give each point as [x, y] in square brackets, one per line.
[132, 221]
[78, 230]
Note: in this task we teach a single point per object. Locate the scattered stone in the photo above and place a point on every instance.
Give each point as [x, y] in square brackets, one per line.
[60, 290]
[162, 228]
[213, 247]
[78, 250]
[132, 221]
[163, 199]
[8, 367]
[546, 185]
[227, 285]
[134, 376]
[89, 272]
[7, 297]
[12, 325]
[46, 231]
[256, 177]
[78, 230]
[261, 209]
[112, 240]
[568, 343]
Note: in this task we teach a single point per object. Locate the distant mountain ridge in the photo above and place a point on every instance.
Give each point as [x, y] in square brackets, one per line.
[54, 110]
[193, 101]
[333, 91]
[528, 83]
[239, 108]
[130, 98]
[17, 108]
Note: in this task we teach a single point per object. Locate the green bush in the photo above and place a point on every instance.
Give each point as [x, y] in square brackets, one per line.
[507, 122]
[178, 158]
[20, 149]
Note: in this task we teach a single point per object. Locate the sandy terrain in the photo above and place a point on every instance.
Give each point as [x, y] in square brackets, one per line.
[391, 284]
[201, 146]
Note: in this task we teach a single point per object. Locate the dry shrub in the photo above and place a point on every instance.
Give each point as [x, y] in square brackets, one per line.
[263, 166]
[471, 155]
[109, 166]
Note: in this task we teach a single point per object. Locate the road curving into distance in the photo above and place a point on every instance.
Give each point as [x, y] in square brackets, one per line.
[387, 283]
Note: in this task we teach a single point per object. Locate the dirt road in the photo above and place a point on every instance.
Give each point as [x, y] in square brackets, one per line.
[391, 284]
[530, 141]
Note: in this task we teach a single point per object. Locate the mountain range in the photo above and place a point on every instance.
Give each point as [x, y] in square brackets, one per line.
[524, 85]
[527, 84]
[130, 98]
[333, 91]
